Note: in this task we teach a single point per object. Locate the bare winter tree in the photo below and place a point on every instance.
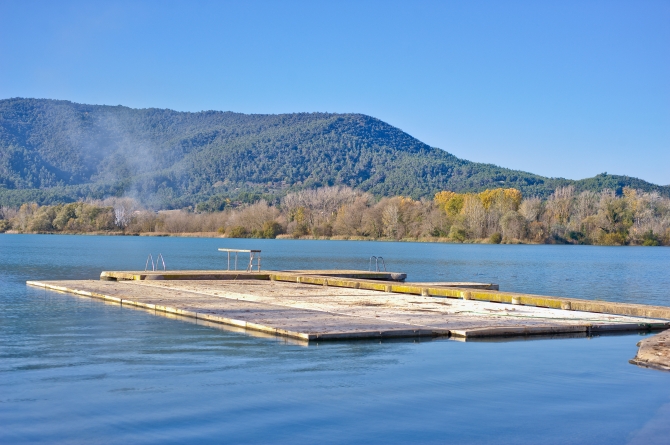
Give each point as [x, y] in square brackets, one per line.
[586, 204]
[320, 204]
[560, 203]
[254, 216]
[391, 220]
[7, 212]
[647, 213]
[124, 209]
[531, 209]
[349, 220]
[475, 216]
[513, 225]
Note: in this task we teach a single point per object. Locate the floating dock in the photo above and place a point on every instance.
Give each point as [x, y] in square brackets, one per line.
[235, 275]
[654, 352]
[338, 305]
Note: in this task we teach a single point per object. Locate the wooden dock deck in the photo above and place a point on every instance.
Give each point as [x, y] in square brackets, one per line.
[654, 352]
[310, 305]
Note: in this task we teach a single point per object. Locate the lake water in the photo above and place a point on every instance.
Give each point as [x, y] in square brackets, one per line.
[76, 370]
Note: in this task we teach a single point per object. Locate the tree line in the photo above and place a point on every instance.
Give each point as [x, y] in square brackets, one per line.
[499, 215]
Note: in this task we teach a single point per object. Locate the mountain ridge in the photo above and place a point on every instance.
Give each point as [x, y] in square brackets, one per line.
[59, 151]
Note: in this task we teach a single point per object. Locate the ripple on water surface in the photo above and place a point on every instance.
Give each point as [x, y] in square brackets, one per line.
[78, 370]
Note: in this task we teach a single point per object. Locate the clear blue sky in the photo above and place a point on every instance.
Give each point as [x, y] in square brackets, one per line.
[564, 88]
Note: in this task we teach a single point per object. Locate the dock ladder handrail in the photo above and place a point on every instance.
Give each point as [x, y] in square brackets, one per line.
[154, 265]
[377, 258]
[146, 265]
[160, 257]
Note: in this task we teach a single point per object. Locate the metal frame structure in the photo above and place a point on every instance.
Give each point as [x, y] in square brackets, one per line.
[253, 255]
[377, 258]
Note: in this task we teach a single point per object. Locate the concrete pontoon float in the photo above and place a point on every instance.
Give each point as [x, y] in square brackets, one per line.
[321, 305]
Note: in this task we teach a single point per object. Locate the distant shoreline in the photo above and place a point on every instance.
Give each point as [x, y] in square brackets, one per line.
[301, 238]
[494, 216]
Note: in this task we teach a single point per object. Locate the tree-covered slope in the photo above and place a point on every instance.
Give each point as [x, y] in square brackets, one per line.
[57, 151]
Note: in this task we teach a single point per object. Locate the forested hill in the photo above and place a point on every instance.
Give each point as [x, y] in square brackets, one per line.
[54, 151]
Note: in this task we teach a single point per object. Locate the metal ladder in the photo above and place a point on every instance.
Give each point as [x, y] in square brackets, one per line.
[376, 258]
[154, 266]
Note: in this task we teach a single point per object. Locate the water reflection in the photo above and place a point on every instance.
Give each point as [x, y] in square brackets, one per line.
[630, 274]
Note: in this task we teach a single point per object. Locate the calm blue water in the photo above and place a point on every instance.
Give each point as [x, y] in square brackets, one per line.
[75, 370]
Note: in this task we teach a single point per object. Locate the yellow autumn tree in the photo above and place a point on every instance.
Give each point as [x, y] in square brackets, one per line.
[505, 199]
[450, 202]
[508, 199]
[442, 198]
